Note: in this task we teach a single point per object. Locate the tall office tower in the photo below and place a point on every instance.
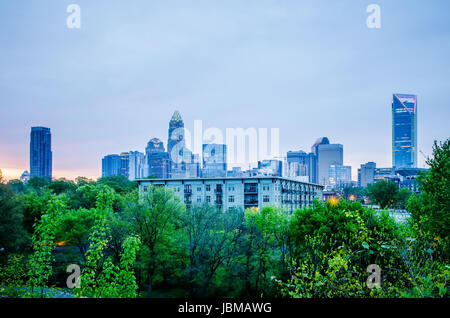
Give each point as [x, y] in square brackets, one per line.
[155, 145]
[136, 168]
[404, 131]
[176, 149]
[125, 164]
[366, 174]
[320, 141]
[302, 164]
[339, 176]
[111, 165]
[214, 160]
[176, 135]
[157, 160]
[327, 154]
[41, 153]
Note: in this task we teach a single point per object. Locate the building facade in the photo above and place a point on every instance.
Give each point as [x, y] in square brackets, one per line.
[302, 164]
[157, 160]
[111, 165]
[41, 153]
[339, 176]
[136, 167]
[214, 160]
[404, 131]
[327, 155]
[242, 193]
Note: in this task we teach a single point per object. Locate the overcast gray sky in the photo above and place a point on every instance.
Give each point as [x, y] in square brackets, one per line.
[310, 68]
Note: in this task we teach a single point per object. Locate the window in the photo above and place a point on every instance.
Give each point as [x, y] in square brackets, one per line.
[208, 187]
[199, 199]
[199, 189]
[231, 188]
[231, 198]
[266, 198]
[266, 188]
[208, 199]
[145, 189]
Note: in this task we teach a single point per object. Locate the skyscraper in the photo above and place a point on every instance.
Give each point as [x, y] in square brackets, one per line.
[111, 165]
[327, 154]
[404, 131]
[176, 149]
[157, 159]
[155, 145]
[136, 168]
[214, 160]
[176, 135]
[41, 153]
[302, 164]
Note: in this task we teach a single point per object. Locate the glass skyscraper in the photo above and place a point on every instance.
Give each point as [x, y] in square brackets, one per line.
[41, 153]
[404, 131]
[158, 160]
[111, 165]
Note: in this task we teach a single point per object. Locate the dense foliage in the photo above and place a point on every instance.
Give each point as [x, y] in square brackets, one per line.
[152, 246]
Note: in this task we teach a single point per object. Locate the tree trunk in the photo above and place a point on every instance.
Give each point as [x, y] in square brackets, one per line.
[150, 281]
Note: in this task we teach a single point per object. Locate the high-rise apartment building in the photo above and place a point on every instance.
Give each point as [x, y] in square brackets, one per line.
[404, 131]
[41, 153]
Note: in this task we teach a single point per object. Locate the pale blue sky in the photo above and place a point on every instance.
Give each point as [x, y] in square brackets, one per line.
[310, 68]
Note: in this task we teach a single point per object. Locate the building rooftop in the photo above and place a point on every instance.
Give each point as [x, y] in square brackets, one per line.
[229, 178]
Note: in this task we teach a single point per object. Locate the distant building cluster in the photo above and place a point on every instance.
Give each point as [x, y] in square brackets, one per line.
[404, 170]
[175, 162]
[323, 165]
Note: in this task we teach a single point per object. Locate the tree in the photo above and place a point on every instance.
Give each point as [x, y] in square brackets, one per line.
[101, 277]
[266, 249]
[358, 192]
[12, 233]
[37, 183]
[43, 244]
[156, 218]
[383, 193]
[17, 186]
[74, 227]
[213, 238]
[62, 186]
[401, 198]
[431, 209]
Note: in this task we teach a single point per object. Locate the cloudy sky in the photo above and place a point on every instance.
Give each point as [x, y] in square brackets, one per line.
[310, 68]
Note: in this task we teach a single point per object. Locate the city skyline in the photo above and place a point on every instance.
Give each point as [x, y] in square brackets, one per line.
[113, 85]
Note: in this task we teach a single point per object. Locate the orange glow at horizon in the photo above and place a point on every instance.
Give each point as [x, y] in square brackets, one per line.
[14, 174]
